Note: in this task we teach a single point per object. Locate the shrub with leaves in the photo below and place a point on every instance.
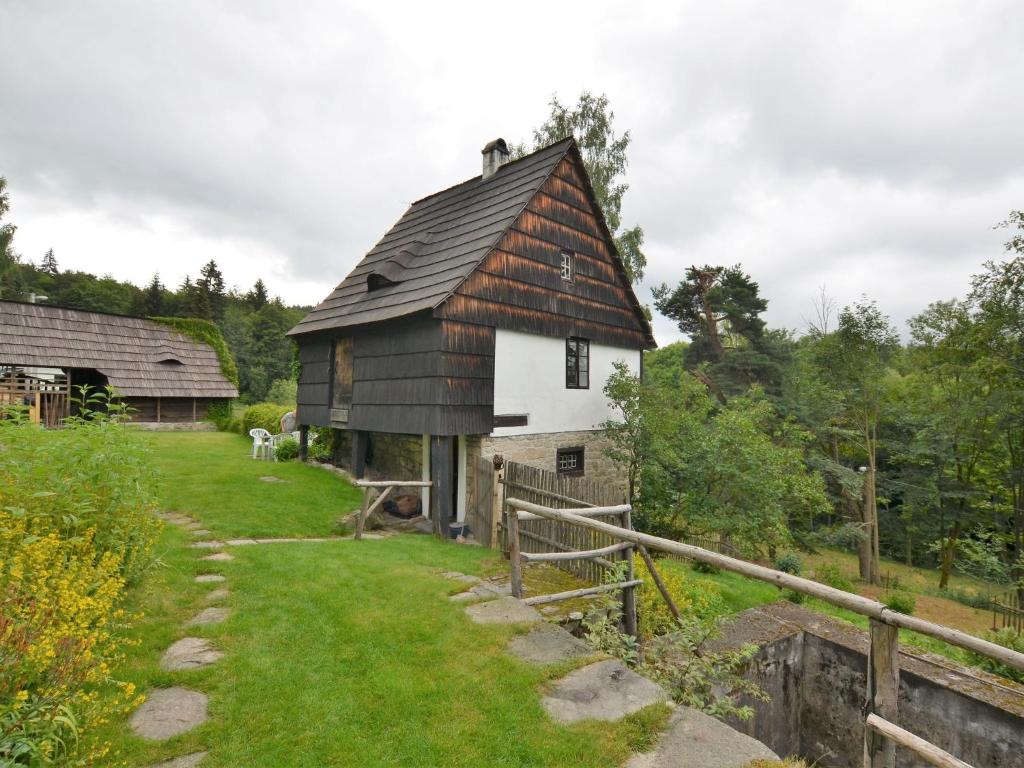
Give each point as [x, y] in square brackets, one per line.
[696, 597]
[287, 450]
[789, 562]
[1007, 637]
[831, 575]
[901, 602]
[264, 416]
[77, 524]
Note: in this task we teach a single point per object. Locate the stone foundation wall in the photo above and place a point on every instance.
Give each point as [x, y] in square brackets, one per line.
[394, 457]
[540, 451]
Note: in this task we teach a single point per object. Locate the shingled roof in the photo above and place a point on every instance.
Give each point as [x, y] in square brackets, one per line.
[139, 357]
[435, 246]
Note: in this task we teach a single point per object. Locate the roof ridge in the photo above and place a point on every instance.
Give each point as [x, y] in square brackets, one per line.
[479, 177]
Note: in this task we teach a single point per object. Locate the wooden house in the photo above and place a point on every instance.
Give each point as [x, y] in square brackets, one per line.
[47, 352]
[485, 321]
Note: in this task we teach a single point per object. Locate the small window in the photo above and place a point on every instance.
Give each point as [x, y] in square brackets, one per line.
[569, 461]
[566, 265]
[577, 363]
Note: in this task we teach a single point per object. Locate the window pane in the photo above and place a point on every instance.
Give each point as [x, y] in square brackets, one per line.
[584, 379]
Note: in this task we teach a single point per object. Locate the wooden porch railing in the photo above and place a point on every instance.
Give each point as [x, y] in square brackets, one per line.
[881, 734]
[386, 487]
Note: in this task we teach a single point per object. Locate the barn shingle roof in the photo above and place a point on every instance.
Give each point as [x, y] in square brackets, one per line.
[436, 244]
[139, 357]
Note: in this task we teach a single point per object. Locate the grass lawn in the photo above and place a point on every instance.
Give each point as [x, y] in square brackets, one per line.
[210, 476]
[339, 653]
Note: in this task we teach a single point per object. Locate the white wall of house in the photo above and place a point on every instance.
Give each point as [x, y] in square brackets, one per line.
[529, 377]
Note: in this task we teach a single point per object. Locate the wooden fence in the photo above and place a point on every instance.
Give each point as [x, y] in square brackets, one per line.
[881, 730]
[48, 400]
[539, 535]
[1008, 611]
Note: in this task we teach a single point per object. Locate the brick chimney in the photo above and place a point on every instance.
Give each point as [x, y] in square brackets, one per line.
[495, 155]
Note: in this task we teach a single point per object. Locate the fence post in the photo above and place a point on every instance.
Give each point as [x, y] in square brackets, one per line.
[629, 593]
[361, 520]
[513, 552]
[497, 492]
[883, 692]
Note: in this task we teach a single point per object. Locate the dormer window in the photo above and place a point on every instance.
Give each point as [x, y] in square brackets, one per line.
[567, 265]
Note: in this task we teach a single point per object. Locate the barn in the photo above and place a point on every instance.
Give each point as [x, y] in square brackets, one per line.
[46, 353]
[485, 322]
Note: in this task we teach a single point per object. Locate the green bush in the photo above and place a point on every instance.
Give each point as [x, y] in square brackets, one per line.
[789, 562]
[901, 602]
[264, 416]
[221, 414]
[1007, 637]
[970, 597]
[830, 574]
[283, 392]
[287, 450]
[708, 568]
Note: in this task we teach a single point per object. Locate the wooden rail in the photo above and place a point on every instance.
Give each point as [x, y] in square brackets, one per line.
[884, 623]
[923, 749]
[388, 486]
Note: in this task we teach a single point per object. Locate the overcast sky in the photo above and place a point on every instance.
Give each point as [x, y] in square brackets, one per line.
[867, 147]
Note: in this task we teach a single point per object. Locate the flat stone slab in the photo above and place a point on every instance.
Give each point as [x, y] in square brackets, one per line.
[189, 653]
[206, 544]
[694, 738]
[167, 712]
[272, 479]
[209, 578]
[603, 691]
[219, 557]
[185, 761]
[218, 594]
[465, 578]
[548, 644]
[241, 542]
[192, 525]
[505, 610]
[199, 532]
[209, 616]
[485, 590]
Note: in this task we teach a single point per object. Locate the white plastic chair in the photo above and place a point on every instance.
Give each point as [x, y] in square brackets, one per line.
[262, 447]
[276, 440]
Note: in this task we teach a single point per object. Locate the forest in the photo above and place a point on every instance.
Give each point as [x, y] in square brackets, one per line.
[844, 435]
[252, 322]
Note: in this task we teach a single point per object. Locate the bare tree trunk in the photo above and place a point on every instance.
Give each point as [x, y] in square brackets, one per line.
[949, 554]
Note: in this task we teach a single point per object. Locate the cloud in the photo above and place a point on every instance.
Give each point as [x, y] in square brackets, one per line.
[868, 147]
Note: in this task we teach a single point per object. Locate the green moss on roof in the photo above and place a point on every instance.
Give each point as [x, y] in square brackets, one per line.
[205, 332]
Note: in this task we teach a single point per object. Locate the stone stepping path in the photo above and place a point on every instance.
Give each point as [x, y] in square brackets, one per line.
[548, 644]
[218, 594]
[207, 545]
[168, 712]
[463, 577]
[189, 653]
[503, 610]
[606, 690]
[197, 532]
[208, 616]
[694, 738]
[185, 761]
[209, 578]
[219, 557]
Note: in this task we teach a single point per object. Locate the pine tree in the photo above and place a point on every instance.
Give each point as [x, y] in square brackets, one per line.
[211, 286]
[49, 264]
[153, 302]
[258, 296]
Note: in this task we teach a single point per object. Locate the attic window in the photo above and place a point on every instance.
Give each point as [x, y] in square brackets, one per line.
[566, 265]
[168, 360]
[375, 282]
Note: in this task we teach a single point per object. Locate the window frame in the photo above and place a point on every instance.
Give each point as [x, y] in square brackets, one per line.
[568, 266]
[576, 471]
[572, 362]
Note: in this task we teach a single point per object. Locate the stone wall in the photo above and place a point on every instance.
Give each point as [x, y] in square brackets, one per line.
[540, 450]
[816, 670]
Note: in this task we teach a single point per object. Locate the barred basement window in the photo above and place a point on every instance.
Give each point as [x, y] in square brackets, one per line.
[566, 265]
[577, 363]
[569, 461]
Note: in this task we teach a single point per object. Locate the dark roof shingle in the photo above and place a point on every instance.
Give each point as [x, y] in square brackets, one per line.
[436, 244]
[139, 357]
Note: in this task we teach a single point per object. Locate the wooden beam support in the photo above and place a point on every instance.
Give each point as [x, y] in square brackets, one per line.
[883, 692]
[652, 569]
[442, 475]
[514, 555]
[303, 442]
[629, 592]
[587, 554]
[393, 483]
[923, 749]
[557, 596]
[584, 512]
[367, 511]
[360, 441]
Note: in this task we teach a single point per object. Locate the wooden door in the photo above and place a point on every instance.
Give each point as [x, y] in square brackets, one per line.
[342, 389]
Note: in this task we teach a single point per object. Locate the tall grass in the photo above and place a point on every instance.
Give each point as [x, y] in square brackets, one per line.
[77, 525]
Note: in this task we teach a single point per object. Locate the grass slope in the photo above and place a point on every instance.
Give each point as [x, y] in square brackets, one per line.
[210, 476]
[341, 653]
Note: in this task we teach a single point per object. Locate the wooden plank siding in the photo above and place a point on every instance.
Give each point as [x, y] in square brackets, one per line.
[518, 285]
[314, 392]
[422, 375]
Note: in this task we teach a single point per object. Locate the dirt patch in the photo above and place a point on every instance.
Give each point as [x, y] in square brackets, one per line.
[942, 611]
